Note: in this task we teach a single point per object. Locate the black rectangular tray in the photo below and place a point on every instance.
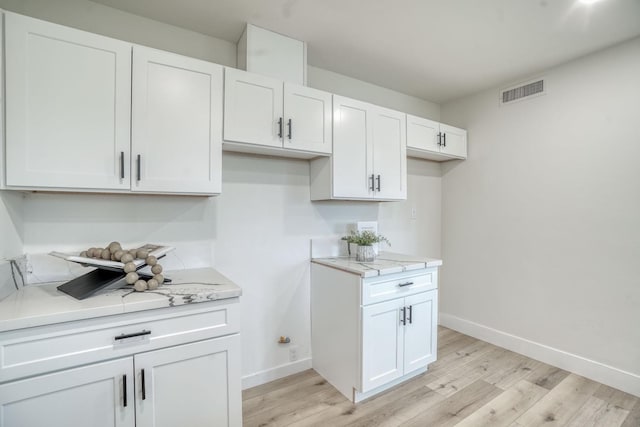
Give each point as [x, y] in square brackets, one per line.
[88, 284]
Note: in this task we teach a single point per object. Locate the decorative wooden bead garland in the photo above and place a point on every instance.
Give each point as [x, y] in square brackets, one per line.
[114, 252]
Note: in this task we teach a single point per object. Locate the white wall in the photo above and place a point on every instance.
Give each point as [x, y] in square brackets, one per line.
[257, 232]
[541, 225]
[11, 232]
[100, 19]
[364, 91]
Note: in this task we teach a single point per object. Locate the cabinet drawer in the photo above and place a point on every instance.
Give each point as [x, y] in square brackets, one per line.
[43, 349]
[384, 288]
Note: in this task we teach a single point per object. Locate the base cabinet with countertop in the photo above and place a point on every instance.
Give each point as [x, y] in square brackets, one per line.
[178, 365]
[373, 326]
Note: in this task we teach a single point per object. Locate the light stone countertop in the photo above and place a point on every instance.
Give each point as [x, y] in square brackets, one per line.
[37, 305]
[385, 263]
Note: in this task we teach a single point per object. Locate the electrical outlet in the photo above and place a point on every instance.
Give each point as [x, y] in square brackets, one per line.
[293, 353]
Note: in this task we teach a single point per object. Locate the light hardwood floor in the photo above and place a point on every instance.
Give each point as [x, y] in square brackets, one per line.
[473, 383]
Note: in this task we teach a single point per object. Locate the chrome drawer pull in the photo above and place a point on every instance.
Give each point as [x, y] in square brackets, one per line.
[405, 284]
[135, 334]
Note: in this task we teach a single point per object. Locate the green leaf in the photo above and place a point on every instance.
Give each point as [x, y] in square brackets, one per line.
[365, 238]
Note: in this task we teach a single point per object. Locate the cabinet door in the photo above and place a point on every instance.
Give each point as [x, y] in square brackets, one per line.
[193, 385]
[176, 123]
[422, 134]
[421, 331]
[454, 141]
[352, 149]
[389, 154]
[307, 114]
[93, 395]
[252, 108]
[68, 102]
[382, 343]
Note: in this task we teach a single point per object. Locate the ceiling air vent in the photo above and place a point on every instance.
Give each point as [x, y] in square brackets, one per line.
[522, 91]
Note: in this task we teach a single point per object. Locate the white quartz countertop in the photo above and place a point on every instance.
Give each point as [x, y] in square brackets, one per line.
[44, 304]
[385, 263]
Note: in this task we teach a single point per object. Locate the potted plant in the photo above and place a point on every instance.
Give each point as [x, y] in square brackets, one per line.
[365, 240]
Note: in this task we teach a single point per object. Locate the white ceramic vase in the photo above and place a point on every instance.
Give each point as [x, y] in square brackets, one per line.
[365, 254]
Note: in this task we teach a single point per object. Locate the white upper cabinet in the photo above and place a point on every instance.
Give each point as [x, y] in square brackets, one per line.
[252, 108]
[68, 100]
[453, 141]
[80, 118]
[176, 123]
[422, 134]
[389, 154]
[369, 154]
[428, 139]
[352, 160]
[307, 113]
[262, 114]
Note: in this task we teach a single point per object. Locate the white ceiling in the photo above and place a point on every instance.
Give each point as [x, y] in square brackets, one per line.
[433, 49]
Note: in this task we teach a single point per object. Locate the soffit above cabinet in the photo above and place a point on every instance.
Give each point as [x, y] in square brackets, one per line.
[271, 54]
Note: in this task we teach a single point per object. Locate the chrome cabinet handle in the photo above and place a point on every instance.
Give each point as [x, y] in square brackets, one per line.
[379, 180]
[122, 165]
[144, 385]
[138, 161]
[290, 127]
[410, 318]
[439, 138]
[124, 391]
[403, 320]
[372, 178]
[280, 127]
[444, 138]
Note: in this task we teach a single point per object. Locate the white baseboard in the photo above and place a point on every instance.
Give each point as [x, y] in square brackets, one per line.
[609, 375]
[281, 371]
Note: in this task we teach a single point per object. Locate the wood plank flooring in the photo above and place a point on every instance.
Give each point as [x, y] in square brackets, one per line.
[473, 384]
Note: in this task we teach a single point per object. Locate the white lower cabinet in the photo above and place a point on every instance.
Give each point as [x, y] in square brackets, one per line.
[369, 334]
[177, 366]
[92, 395]
[398, 337]
[188, 385]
